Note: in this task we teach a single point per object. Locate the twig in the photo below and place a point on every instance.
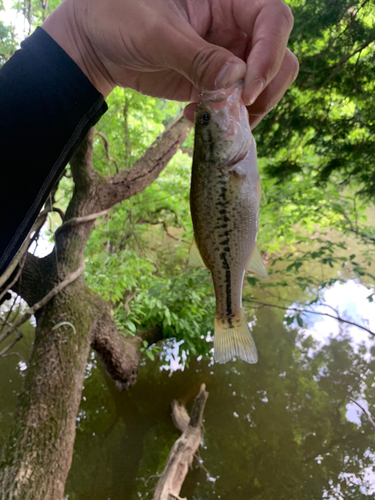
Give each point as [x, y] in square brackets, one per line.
[23, 249]
[368, 415]
[4, 352]
[106, 148]
[15, 353]
[59, 211]
[44, 301]
[9, 312]
[337, 318]
[75, 221]
[14, 281]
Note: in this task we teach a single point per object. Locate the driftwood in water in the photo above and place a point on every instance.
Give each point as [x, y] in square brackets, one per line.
[184, 449]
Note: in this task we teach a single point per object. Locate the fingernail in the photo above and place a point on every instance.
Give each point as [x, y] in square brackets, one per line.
[229, 74]
[255, 89]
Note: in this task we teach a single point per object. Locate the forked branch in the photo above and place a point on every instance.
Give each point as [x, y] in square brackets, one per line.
[184, 449]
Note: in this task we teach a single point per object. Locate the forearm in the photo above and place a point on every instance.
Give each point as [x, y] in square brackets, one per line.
[65, 27]
[47, 106]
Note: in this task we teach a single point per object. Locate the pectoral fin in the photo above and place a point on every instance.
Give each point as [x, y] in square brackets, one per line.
[195, 258]
[256, 264]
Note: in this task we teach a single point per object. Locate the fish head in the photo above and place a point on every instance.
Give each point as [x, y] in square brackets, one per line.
[222, 131]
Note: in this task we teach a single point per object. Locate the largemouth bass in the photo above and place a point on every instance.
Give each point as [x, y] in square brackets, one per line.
[224, 202]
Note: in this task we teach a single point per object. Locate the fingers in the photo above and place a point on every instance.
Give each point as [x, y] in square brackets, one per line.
[272, 94]
[205, 65]
[189, 111]
[268, 23]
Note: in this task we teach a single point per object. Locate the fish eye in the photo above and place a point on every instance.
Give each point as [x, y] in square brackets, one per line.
[205, 118]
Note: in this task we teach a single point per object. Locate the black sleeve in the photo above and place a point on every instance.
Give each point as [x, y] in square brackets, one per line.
[47, 106]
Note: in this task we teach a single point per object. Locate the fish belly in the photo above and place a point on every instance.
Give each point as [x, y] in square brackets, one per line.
[224, 207]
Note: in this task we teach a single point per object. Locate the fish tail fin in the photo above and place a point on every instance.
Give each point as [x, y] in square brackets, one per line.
[234, 339]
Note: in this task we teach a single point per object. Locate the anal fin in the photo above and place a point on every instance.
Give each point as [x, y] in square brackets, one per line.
[256, 264]
[195, 258]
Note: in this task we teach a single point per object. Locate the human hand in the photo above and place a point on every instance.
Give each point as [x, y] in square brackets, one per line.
[175, 48]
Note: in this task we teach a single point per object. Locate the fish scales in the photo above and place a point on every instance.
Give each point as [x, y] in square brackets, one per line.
[224, 199]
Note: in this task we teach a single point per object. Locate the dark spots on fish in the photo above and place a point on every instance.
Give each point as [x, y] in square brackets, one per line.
[224, 242]
[224, 260]
[225, 219]
[228, 296]
[222, 212]
[211, 142]
[227, 281]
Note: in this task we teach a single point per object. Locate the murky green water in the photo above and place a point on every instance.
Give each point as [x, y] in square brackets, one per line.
[273, 431]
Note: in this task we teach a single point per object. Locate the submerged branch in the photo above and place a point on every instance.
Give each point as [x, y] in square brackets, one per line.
[184, 449]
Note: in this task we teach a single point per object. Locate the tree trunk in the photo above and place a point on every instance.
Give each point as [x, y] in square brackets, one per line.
[35, 461]
[37, 457]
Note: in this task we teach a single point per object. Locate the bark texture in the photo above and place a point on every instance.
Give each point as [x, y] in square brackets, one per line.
[35, 461]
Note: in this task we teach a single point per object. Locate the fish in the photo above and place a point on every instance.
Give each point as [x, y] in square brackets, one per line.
[224, 202]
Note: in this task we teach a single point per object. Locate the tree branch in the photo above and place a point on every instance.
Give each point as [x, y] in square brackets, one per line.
[75, 221]
[368, 415]
[119, 356]
[44, 301]
[337, 318]
[24, 247]
[106, 148]
[130, 182]
[81, 163]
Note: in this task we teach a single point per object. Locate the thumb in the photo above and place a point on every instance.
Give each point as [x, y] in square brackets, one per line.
[207, 66]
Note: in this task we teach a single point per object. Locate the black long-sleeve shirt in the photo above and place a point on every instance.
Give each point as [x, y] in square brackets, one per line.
[47, 106]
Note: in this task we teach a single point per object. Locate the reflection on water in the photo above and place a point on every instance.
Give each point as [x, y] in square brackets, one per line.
[350, 301]
[273, 431]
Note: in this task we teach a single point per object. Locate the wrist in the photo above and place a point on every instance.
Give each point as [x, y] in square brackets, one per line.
[64, 27]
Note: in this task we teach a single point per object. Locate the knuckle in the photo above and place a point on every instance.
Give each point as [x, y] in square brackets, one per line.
[204, 61]
[263, 107]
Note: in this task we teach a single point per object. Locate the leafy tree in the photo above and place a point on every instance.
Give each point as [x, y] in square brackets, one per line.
[133, 235]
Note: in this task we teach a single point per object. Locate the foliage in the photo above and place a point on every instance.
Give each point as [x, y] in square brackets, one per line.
[325, 126]
[136, 257]
[7, 42]
[316, 165]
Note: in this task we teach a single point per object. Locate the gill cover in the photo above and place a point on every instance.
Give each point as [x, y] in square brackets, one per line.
[222, 130]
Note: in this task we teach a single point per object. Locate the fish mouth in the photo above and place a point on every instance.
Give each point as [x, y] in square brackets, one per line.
[220, 95]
